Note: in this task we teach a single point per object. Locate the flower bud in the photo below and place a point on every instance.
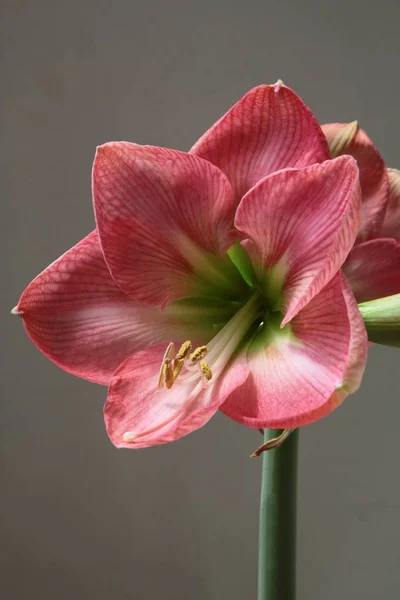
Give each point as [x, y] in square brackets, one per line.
[382, 320]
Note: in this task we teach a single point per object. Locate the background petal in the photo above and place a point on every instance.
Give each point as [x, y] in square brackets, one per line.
[157, 416]
[373, 269]
[297, 380]
[303, 222]
[391, 224]
[78, 317]
[158, 212]
[373, 176]
[270, 128]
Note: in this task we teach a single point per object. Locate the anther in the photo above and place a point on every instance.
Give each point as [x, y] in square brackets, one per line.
[168, 373]
[170, 351]
[205, 369]
[184, 350]
[178, 364]
[198, 353]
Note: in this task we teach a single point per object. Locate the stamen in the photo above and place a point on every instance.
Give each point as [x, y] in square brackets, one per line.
[184, 350]
[178, 364]
[170, 351]
[168, 373]
[171, 366]
[191, 369]
[198, 353]
[205, 369]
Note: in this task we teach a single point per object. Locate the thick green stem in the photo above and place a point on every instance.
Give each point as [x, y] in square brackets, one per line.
[278, 512]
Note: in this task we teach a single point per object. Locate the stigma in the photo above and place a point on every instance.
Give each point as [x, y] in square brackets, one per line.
[173, 362]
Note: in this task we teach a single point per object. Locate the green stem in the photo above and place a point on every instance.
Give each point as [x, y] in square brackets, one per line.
[278, 511]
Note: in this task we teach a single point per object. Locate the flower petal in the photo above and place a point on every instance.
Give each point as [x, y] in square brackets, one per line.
[159, 212]
[373, 177]
[138, 414]
[303, 223]
[78, 317]
[299, 378]
[357, 357]
[270, 128]
[391, 224]
[373, 269]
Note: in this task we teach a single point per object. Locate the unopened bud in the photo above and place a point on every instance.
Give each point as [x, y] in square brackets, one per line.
[382, 320]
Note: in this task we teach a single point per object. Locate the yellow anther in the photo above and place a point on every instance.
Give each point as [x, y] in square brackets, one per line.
[198, 353]
[184, 350]
[178, 364]
[205, 369]
[168, 373]
[170, 351]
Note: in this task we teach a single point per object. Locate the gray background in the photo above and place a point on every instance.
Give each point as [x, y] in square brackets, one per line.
[80, 519]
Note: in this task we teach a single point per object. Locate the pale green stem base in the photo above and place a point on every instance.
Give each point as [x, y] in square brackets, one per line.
[278, 512]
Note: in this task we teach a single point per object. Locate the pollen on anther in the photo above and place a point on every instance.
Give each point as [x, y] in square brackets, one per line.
[184, 350]
[168, 373]
[170, 351]
[177, 366]
[206, 370]
[198, 353]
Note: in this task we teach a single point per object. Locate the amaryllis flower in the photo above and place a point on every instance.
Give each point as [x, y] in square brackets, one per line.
[213, 279]
[373, 266]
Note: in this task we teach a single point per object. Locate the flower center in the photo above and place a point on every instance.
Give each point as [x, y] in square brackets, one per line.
[188, 364]
[173, 363]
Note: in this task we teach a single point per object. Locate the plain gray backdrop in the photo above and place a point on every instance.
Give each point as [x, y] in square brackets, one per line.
[79, 518]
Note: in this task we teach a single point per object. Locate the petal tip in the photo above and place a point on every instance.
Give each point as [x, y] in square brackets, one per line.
[129, 437]
[17, 311]
[105, 150]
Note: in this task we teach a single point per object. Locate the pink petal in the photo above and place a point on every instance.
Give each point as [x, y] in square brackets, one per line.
[153, 206]
[79, 318]
[357, 358]
[373, 178]
[138, 414]
[270, 128]
[299, 379]
[373, 269]
[391, 224]
[303, 222]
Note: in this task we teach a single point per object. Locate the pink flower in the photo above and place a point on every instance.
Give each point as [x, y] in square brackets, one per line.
[373, 266]
[213, 279]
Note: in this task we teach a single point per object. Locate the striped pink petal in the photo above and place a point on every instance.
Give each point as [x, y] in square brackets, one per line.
[270, 128]
[373, 269]
[357, 358]
[391, 224]
[373, 176]
[298, 378]
[138, 414]
[303, 223]
[78, 317]
[154, 209]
